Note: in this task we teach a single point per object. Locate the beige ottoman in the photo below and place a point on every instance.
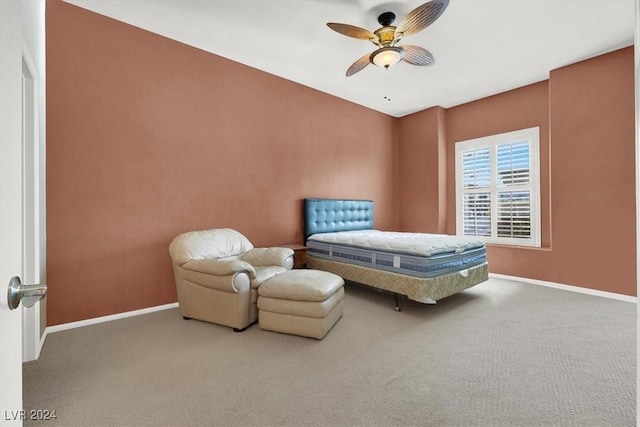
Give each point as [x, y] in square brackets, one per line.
[301, 302]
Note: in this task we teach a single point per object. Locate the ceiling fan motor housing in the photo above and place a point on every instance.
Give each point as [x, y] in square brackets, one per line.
[386, 36]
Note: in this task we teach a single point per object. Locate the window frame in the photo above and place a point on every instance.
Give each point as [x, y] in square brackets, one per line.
[532, 135]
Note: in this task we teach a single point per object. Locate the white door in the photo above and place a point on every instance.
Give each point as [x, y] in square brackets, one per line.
[10, 208]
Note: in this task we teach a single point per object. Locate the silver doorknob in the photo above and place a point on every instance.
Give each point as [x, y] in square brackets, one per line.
[28, 294]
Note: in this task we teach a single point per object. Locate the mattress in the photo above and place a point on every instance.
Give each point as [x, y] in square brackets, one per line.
[414, 254]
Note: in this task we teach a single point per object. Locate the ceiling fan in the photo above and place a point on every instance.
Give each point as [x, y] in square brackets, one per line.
[388, 36]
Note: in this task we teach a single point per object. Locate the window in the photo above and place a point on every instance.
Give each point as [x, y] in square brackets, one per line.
[498, 188]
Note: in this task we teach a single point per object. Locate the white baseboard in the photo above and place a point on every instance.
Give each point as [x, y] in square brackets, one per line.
[95, 320]
[571, 288]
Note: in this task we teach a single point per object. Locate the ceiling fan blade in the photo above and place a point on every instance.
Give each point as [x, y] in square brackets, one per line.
[417, 55]
[352, 31]
[421, 17]
[358, 65]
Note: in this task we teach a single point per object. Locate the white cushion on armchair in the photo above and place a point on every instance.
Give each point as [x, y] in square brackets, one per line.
[217, 273]
[208, 244]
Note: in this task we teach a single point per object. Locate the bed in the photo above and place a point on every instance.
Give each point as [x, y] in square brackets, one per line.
[340, 238]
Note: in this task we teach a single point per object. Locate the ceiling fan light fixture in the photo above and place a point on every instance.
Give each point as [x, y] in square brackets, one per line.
[387, 37]
[387, 56]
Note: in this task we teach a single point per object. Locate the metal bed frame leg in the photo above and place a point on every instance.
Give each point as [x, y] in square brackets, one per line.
[398, 309]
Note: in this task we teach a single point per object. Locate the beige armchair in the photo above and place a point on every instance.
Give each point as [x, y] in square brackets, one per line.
[218, 273]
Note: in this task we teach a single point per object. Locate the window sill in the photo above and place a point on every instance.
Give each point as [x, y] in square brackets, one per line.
[511, 246]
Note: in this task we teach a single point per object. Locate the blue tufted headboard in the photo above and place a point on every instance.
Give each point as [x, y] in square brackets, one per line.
[329, 215]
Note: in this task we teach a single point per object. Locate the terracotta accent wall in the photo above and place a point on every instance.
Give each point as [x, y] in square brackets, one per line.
[593, 172]
[586, 117]
[148, 138]
[422, 171]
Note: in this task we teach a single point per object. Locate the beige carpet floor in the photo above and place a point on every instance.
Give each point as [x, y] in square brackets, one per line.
[500, 354]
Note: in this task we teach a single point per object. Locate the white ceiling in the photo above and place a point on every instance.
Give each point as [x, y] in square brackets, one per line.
[481, 47]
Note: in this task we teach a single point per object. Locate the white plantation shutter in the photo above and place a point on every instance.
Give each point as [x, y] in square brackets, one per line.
[477, 214]
[476, 168]
[497, 188]
[513, 163]
[514, 207]
[476, 172]
[514, 214]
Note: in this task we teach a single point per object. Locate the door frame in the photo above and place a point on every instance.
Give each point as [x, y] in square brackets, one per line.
[32, 339]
